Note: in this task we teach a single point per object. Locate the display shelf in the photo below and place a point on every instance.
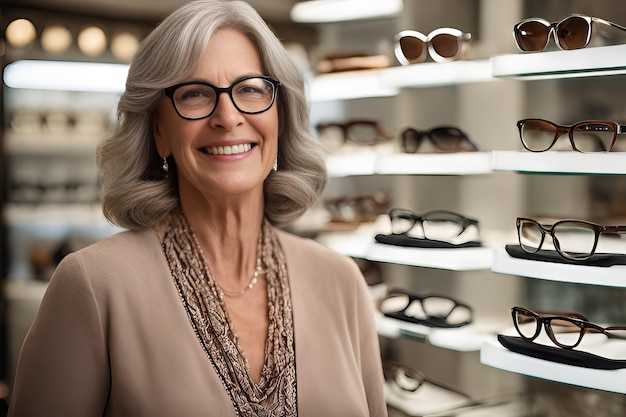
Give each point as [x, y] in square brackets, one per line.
[363, 245]
[349, 85]
[592, 61]
[560, 162]
[492, 353]
[464, 339]
[461, 163]
[613, 276]
[43, 143]
[433, 74]
[463, 259]
[349, 165]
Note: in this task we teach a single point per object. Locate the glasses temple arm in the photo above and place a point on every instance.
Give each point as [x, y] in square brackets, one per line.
[607, 23]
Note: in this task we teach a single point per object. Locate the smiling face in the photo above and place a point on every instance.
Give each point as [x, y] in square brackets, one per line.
[227, 155]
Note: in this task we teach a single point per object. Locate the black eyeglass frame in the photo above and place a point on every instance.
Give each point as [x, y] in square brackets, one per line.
[169, 92]
[553, 28]
[394, 367]
[597, 229]
[546, 322]
[617, 129]
[431, 320]
[407, 214]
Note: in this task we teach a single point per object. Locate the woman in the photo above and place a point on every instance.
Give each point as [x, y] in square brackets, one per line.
[204, 307]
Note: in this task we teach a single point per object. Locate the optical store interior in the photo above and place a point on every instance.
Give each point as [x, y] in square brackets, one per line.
[475, 152]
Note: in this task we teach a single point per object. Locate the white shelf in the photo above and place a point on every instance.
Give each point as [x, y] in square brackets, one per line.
[461, 163]
[347, 165]
[613, 276]
[492, 353]
[360, 245]
[432, 74]
[349, 85]
[557, 162]
[592, 61]
[46, 143]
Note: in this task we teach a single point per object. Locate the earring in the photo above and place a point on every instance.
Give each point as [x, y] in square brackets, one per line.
[275, 166]
[165, 166]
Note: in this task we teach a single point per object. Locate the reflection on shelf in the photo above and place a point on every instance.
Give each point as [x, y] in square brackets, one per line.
[556, 162]
[432, 74]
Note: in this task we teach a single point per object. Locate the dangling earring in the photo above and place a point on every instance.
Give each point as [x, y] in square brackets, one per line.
[275, 166]
[165, 166]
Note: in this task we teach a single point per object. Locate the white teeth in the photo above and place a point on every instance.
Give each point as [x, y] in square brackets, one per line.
[228, 150]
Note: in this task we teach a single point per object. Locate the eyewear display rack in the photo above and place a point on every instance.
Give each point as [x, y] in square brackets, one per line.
[598, 61]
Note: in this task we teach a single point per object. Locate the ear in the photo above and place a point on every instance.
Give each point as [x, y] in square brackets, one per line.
[160, 140]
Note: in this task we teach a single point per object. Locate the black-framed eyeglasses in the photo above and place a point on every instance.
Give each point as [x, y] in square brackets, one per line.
[443, 138]
[589, 136]
[572, 32]
[432, 310]
[195, 100]
[564, 331]
[576, 240]
[359, 208]
[435, 224]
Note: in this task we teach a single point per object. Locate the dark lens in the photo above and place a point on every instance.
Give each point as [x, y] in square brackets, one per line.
[414, 49]
[537, 135]
[449, 139]
[445, 45]
[573, 33]
[411, 140]
[526, 323]
[531, 36]
[530, 235]
[593, 137]
[576, 239]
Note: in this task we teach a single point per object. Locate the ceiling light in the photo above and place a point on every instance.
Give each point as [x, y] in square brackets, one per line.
[56, 38]
[21, 33]
[124, 45]
[66, 76]
[325, 11]
[92, 41]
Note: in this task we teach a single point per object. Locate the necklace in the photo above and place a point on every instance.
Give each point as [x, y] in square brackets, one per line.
[258, 271]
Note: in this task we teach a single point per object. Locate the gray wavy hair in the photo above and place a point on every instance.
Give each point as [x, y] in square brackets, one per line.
[135, 193]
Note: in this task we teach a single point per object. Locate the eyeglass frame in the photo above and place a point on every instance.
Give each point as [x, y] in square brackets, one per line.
[419, 377]
[461, 38]
[427, 133]
[597, 228]
[583, 325]
[552, 28]
[466, 221]
[382, 135]
[169, 92]
[431, 321]
[618, 129]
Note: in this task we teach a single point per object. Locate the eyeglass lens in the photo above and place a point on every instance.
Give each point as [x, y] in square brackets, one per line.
[428, 308]
[445, 139]
[594, 136]
[575, 240]
[571, 33]
[251, 95]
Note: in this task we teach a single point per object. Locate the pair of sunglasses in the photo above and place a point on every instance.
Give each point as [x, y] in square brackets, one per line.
[360, 132]
[589, 136]
[443, 44]
[572, 32]
[360, 208]
[443, 138]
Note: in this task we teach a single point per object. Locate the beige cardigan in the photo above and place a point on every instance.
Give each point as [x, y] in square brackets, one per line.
[112, 339]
